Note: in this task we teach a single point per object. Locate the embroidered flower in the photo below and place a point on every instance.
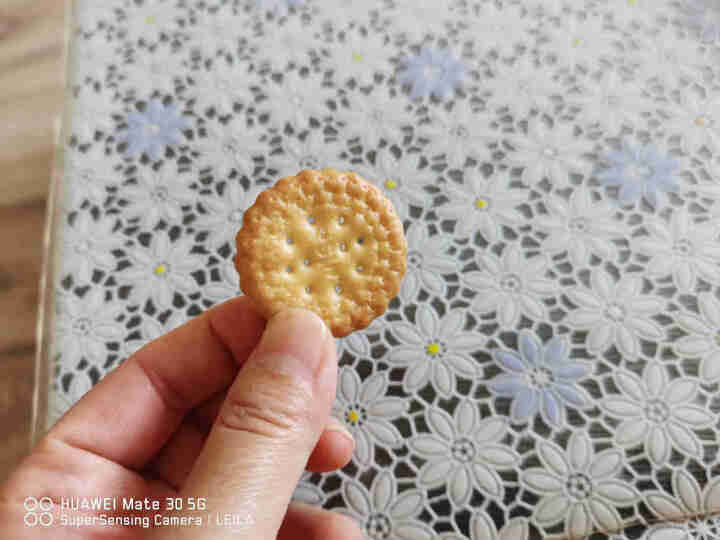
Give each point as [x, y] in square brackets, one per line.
[627, 12]
[459, 134]
[617, 314]
[285, 43]
[546, 7]
[88, 175]
[91, 112]
[581, 43]
[669, 59]
[522, 87]
[696, 120]
[704, 337]
[228, 286]
[640, 172]
[382, 513]
[279, 8]
[223, 213]
[374, 118]
[359, 57]
[151, 70]
[682, 250]
[356, 344]
[308, 493]
[230, 148]
[160, 270]
[400, 178]
[151, 329]
[579, 227]
[511, 286]
[216, 29]
[579, 487]
[483, 205]
[86, 325]
[221, 87]
[62, 401]
[689, 500]
[347, 11]
[708, 186]
[434, 72]
[366, 411]
[541, 379]
[312, 152]
[705, 16]
[88, 245]
[427, 262]
[157, 195]
[91, 57]
[149, 21]
[92, 14]
[482, 527]
[611, 102]
[657, 413]
[464, 453]
[420, 19]
[296, 100]
[154, 129]
[500, 30]
[548, 153]
[434, 349]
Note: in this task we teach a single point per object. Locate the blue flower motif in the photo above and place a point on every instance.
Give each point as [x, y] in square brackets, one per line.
[154, 129]
[640, 172]
[540, 379]
[433, 72]
[705, 15]
[279, 7]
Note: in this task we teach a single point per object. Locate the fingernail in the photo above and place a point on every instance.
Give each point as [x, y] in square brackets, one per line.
[293, 343]
[338, 427]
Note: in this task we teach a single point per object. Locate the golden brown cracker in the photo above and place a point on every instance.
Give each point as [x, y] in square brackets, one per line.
[327, 241]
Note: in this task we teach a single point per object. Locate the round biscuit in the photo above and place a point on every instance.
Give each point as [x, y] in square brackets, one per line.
[327, 241]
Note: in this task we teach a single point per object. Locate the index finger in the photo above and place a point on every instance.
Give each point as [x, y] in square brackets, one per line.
[132, 412]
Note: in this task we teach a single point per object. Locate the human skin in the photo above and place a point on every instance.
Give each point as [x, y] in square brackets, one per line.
[227, 408]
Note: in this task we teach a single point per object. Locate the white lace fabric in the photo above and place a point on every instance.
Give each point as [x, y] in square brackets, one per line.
[550, 368]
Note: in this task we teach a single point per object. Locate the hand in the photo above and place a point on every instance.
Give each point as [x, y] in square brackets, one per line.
[224, 409]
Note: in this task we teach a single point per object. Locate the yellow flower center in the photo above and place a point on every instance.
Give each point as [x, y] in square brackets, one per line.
[481, 204]
[702, 121]
[576, 42]
[433, 349]
[717, 338]
[390, 184]
[150, 19]
[632, 2]
[357, 57]
[160, 269]
[353, 417]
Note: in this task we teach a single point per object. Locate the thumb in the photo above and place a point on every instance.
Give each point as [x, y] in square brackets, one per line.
[273, 416]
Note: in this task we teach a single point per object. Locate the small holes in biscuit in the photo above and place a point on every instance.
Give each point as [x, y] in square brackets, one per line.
[343, 246]
[306, 262]
[289, 269]
[338, 289]
[360, 268]
[341, 220]
[361, 240]
[311, 220]
[308, 289]
[289, 241]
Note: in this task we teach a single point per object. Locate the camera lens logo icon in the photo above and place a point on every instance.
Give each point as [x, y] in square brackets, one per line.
[38, 512]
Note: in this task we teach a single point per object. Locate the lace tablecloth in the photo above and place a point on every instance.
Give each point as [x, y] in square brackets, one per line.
[550, 368]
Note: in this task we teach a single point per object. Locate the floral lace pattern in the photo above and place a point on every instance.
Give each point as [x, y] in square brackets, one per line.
[550, 368]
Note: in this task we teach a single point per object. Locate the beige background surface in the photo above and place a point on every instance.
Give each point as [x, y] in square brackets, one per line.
[31, 45]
